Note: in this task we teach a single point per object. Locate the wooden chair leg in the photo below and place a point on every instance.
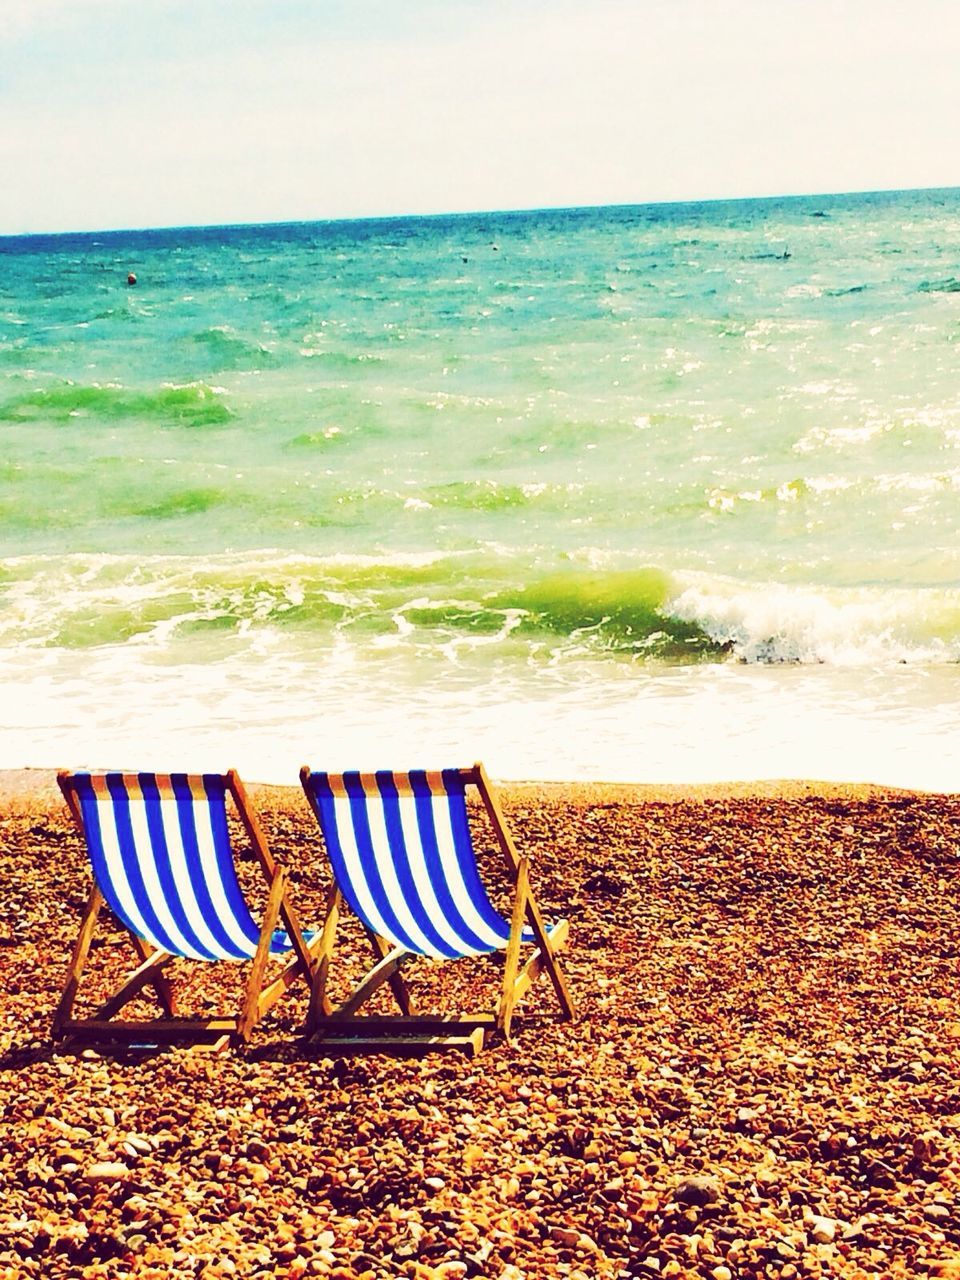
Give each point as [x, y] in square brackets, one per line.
[536, 963]
[401, 993]
[147, 974]
[78, 959]
[248, 1017]
[305, 953]
[159, 981]
[511, 961]
[512, 858]
[319, 1003]
[383, 972]
[287, 976]
[550, 962]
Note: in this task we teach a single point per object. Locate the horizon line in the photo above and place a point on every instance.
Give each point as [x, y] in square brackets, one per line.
[474, 213]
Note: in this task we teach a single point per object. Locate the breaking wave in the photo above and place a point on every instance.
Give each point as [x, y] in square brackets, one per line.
[446, 604]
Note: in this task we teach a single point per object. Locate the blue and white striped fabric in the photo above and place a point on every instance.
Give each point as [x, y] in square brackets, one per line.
[403, 857]
[161, 856]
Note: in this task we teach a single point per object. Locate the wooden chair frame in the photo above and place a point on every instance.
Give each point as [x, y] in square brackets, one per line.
[214, 1033]
[339, 1029]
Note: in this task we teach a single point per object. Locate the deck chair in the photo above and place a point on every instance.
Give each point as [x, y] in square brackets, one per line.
[162, 861]
[402, 858]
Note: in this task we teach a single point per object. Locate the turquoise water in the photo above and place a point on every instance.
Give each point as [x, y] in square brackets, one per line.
[665, 492]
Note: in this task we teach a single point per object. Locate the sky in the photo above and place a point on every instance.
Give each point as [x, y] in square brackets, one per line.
[134, 113]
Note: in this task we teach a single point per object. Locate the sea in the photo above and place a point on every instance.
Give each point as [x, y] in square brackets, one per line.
[664, 493]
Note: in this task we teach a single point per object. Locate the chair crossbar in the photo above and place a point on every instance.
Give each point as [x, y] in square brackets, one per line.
[418, 1045]
[161, 1031]
[427, 1023]
[404, 783]
[166, 786]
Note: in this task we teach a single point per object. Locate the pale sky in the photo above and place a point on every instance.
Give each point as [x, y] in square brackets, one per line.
[132, 113]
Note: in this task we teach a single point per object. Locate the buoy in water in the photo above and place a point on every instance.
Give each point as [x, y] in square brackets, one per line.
[131, 278]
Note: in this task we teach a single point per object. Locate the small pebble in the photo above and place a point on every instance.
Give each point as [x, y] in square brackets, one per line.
[106, 1171]
[697, 1191]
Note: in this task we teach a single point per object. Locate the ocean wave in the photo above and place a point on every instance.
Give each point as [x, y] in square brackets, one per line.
[194, 404]
[78, 601]
[924, 429]
[341, 359]
[316, 439]
[492, 495]
[125, 315]
[225, 349]
[625, 611]
[446, 605]
[949, 285]
[863, 626]
[728, 500]
[181, 502]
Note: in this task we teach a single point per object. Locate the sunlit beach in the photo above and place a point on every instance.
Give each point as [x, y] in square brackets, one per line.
[479, 641]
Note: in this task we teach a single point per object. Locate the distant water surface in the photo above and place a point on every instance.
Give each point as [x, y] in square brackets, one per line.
[650, 493]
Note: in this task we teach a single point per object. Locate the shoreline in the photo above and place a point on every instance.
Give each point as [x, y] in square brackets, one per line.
[29, 785]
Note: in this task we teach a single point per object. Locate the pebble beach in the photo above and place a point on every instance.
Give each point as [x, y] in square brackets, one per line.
[762, 1080]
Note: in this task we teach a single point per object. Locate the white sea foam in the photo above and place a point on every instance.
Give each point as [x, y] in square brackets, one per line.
[862, 627]
[691, 724]
[842, 437]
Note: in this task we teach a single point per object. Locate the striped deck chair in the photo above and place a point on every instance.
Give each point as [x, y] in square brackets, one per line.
[402, 857]
[162, 860]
